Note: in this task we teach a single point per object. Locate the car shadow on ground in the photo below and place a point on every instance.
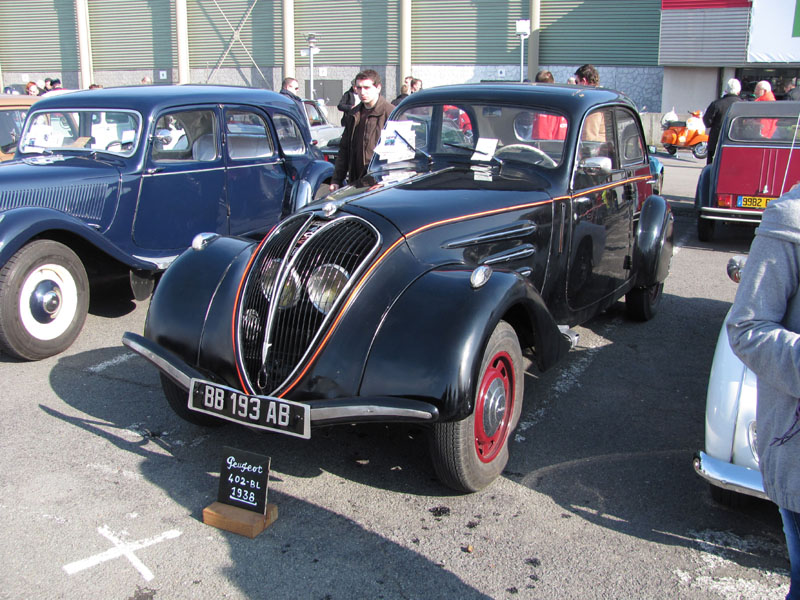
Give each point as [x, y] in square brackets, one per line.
[182, 460]
[614, 445]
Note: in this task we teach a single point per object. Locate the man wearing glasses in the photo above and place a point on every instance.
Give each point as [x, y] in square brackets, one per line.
[291, 88]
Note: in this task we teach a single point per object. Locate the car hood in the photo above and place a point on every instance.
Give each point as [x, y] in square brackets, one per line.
[79, 186]
[449, 193]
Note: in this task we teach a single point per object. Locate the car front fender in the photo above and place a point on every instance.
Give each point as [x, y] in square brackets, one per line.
[431, 341]
[654, 235]
[20, 225]
[197, 326]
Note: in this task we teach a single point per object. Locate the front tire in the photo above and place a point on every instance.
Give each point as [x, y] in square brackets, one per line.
[470, 454]
[44, 299]
[700, 150]
[642, 303]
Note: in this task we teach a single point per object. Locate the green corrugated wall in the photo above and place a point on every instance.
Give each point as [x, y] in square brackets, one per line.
[38, 35]
[349, 32]
[134, 34]
[466, 32]
[210, 32]
[602, 32]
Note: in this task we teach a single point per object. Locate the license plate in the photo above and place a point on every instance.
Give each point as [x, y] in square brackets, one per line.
[752, 201]
[261, 412]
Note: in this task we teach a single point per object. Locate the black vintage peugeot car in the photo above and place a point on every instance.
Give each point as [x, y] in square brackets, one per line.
[493, 218]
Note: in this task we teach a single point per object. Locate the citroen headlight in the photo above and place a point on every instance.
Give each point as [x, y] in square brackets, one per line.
[325, 285]
[290, 293]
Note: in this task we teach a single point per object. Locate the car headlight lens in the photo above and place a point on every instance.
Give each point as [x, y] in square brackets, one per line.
[290, 293]
[325, 285]
[250, 324]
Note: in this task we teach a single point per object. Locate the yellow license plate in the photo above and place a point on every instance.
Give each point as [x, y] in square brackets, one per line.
[753, 201]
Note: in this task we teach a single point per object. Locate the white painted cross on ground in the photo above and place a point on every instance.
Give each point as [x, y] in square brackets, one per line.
[121, 548]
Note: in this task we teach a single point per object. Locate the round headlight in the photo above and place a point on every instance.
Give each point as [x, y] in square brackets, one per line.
[325, 285]
[290, 293]
[250, 324]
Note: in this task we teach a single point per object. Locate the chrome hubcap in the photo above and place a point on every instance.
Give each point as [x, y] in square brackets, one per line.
[45, 301]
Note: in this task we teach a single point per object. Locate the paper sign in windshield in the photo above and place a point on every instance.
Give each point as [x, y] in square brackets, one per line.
[396, 143]
[484, 149]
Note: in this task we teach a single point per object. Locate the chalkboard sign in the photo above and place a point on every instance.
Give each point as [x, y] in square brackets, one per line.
[243, 480]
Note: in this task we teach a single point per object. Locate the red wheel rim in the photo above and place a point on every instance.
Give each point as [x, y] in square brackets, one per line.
[494, 407]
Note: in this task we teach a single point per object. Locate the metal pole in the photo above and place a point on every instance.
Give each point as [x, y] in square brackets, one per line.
[521, 57]
[311, 65]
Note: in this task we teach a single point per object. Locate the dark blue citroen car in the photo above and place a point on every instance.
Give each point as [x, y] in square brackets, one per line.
[119, 181]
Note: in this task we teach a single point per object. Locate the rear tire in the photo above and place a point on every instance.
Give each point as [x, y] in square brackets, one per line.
[44, 298]
[671, 150]
[642, 303]
[705, 229]
[470, 454]
[178, 399]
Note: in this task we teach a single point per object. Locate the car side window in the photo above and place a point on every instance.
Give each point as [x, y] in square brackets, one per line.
[10, 127]
[188, 135]
[597, 136]
[289, 134]
[247, 135]
[630, 139]
[313, 114]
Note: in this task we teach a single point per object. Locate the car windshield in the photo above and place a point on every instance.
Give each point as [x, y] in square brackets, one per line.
[113, 131]
[762, 129]
[475, 133]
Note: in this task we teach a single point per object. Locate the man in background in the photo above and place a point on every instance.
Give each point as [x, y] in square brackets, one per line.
[715, 113]
[362, 130]
[291, 88]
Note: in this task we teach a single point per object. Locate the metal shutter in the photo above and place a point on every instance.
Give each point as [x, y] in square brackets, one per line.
[349, 32]
[466, 31]
[38, 35]
[211, 29]
[130, 35]
[601, 32]
[712, 37]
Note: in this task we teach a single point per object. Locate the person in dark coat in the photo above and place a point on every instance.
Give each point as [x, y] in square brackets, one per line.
[291, 88]
[348, 102]
[715, 114]
[362, 130]
[402, 95]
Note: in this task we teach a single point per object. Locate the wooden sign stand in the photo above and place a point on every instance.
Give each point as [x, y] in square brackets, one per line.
[241, 505]
[238, 520]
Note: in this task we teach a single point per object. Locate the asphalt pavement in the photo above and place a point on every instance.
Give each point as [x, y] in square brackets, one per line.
[103, 487]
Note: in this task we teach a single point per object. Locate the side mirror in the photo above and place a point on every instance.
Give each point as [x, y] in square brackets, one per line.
[596, 165]
[735, 266]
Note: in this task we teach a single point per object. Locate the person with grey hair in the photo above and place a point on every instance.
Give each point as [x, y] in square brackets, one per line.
[715, 113]
[763, 91]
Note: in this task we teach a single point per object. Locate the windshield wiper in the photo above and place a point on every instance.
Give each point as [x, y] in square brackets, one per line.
[492, 158]
[415, 149]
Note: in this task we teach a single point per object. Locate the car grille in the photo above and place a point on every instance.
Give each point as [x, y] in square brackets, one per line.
[282, 312]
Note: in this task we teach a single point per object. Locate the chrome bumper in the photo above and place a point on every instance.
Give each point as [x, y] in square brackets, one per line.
[323, 412]
[729, 476]
[732, 215]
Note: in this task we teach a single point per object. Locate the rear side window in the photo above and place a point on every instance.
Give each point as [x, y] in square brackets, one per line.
[288, 134]
[760, 129]
[630, 139]
[247, 135]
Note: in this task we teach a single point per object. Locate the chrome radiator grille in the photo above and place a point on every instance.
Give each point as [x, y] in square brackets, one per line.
[294, 286]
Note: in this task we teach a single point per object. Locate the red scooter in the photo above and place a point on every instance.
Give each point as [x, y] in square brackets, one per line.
[690, 134]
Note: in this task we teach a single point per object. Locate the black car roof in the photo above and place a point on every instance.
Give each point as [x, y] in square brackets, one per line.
[572, 99]
[780, 108]
[146, 98]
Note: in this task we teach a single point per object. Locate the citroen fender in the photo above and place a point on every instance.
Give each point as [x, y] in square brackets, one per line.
[653, 250]
[179, 321]
[20, 225]
[440, 326]
[703, 192]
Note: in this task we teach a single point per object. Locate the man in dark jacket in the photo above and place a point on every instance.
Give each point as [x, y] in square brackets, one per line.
[348, 101]
[362, 130]
[715, 114]
[291, 88]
